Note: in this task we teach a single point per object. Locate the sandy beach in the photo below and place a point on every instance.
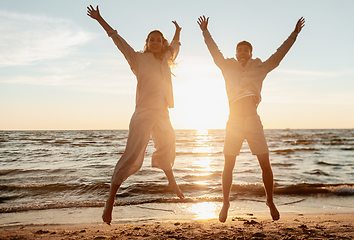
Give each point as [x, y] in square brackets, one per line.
[292, 226]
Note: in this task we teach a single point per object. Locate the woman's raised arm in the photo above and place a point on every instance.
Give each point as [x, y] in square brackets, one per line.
[177, 32]
[122, 45]
[95, 14]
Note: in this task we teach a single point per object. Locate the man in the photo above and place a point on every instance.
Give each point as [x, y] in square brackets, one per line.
[244, 77]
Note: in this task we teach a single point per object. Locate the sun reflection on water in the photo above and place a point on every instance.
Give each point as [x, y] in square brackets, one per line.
[203, 146]
[203, 142]
[203, 168]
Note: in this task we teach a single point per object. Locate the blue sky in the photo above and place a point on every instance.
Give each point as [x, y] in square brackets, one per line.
[59, 70]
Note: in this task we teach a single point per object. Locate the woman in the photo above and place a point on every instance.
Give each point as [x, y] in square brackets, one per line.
[151, 117]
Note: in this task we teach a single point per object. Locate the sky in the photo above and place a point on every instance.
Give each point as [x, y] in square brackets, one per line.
[60, 71]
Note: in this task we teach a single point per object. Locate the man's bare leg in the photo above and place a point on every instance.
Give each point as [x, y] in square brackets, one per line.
[172, 183]
[227, 176]
[268, 181]
[108, 207]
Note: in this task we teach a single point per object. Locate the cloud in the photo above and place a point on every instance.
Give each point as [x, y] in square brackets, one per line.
[27, 38]
[107, 75]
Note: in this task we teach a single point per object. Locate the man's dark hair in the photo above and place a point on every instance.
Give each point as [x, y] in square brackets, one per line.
[246, 44]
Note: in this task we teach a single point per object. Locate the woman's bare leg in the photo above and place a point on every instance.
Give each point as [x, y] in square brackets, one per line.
[108, 207]
[172, 183]
[268, 181]
[227, 176]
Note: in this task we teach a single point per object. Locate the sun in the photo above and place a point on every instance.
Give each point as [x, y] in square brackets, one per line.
[200, 101]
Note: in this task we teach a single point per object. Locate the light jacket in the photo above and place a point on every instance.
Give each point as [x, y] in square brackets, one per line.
[251, 76]
[154, 87]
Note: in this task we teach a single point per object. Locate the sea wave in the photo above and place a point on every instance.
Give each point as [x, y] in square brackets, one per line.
[314, 189]
[63, 169]
[156, 193]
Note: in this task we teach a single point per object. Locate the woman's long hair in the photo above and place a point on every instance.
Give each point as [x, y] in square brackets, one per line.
[165, 47]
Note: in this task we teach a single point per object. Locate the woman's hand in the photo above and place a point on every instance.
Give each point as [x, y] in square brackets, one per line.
[178, 28]
[299, 25]
[91, 12]
[177, 32]
[203, 23]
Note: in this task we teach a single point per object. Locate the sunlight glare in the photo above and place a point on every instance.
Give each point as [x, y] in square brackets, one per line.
[203, 163]
[200, 99]
[202, 150]
[203, 141]
[204, 210]
[202, 132]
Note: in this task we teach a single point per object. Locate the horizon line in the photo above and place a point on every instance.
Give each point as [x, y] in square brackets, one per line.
[2, 130]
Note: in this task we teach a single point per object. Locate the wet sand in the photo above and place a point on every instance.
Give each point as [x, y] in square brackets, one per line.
[291, 226]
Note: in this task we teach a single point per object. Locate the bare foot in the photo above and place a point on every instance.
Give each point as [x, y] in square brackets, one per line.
[223, 212]
[273, 211]
[107, 213]
[176, 189]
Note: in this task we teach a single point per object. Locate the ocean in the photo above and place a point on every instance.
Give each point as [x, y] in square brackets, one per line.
[64, 176]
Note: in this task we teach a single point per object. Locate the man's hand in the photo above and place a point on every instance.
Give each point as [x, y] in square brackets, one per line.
[299, 25]
[203, 23]
[91, 12]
